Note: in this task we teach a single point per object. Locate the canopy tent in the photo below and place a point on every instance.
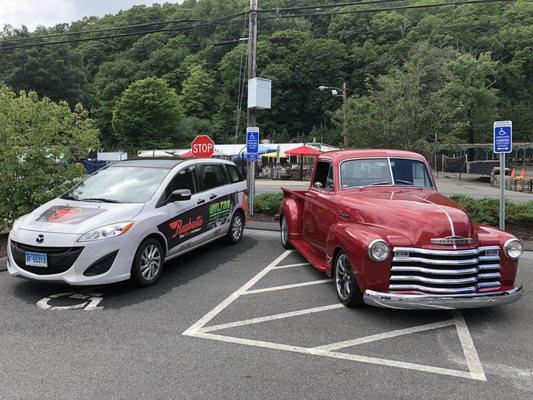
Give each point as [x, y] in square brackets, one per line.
[303, 151]
[274, 154]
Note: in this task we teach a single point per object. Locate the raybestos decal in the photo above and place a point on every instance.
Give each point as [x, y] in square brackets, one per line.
[200, 219]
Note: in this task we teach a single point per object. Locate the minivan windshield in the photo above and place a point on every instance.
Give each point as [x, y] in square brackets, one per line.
[119, 184]
[384, 171]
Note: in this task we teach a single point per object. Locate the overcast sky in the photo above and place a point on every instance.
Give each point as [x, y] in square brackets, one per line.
[50, 12]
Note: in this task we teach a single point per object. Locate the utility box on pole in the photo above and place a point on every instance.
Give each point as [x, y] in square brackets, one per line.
[259, 93]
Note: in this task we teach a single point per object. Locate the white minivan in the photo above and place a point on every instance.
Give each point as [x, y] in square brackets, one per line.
[127, 219]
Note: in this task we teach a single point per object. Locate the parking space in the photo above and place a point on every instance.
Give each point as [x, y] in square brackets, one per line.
[261, 323]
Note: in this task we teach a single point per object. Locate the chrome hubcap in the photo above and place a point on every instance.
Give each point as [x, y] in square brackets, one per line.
[236, 228]
[150, 262]
[343, 277]
[284, 231]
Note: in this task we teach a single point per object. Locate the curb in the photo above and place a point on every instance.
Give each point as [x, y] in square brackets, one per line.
[528, 245]
[3, 264]
[263, 226]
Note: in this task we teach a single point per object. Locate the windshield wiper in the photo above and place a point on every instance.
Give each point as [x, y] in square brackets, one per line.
[68, 197]
[98, 199]
[409, 183]
[375, 184]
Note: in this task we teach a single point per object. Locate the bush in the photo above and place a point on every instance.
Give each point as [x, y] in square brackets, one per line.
[41, 143]
[267, 203]
[486, 211]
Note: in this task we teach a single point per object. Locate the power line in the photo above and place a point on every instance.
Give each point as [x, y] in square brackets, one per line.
[104, 37]
[123, 27]
[372, 10]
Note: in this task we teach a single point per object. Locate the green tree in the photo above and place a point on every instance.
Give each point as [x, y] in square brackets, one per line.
[42, 142]
[197, 94]
[148, 115]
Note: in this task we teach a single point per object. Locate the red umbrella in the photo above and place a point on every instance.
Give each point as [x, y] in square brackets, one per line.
[303, 151]
[187, 154]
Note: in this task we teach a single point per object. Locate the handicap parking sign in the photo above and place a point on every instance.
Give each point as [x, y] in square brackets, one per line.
[252, 140]
[503, 137]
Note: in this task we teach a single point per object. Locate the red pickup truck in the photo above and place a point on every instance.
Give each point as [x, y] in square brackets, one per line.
[374, 221]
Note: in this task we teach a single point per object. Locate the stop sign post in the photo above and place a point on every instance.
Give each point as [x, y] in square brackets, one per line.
[202, 147]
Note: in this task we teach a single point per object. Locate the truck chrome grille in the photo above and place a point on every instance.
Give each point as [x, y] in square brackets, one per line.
[445, 271]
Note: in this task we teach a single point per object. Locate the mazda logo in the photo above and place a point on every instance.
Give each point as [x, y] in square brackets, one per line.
[40, 238]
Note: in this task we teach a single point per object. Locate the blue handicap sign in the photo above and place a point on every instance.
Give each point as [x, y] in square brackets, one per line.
[252, 140]
[251, 157]
[503, 137]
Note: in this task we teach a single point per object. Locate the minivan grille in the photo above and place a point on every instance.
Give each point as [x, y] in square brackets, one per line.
[445, 271]
[60, 259]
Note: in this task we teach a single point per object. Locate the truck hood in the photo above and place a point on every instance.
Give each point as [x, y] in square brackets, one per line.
[416, 214]
[66, 216]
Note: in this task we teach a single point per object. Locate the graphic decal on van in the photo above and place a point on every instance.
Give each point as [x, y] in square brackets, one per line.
[68, 214]
[200, 219]
[185, 229]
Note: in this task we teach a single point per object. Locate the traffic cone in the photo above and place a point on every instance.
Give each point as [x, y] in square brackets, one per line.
[513, 174]
[523, 173]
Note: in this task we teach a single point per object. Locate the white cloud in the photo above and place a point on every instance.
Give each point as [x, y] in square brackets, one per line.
[51, 12]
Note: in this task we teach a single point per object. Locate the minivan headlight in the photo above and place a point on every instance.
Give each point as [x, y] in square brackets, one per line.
[378, 250]
[106, 232]
[513, 248]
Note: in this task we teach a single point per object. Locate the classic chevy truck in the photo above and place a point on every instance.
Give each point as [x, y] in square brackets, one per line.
[374, 221]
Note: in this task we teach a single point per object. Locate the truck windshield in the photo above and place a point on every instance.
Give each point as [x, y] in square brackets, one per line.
[119, 185]
[377, 171]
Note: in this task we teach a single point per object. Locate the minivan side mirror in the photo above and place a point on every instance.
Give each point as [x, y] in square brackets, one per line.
[180, 195]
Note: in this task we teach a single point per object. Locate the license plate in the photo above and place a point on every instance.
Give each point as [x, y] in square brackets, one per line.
[36, 259]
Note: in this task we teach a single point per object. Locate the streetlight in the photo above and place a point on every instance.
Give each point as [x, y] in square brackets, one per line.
[335, 93]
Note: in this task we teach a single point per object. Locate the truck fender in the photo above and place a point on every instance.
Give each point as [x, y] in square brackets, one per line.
[353, 240]
[292, 211]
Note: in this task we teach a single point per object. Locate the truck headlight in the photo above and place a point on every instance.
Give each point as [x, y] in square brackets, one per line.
[513, 248]
[106, 232]
[378, 250]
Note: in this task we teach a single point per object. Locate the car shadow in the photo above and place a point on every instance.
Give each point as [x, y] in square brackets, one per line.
[177, 272]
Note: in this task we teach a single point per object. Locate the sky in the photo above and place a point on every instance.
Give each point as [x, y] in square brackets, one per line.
[50, 12]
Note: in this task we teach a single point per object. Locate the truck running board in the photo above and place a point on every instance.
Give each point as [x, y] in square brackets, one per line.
[314, 256]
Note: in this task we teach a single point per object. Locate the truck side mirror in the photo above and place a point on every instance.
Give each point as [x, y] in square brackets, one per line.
[318, 185]
[180, 195]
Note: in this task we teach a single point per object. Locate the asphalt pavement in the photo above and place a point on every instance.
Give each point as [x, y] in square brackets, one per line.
[253, 321]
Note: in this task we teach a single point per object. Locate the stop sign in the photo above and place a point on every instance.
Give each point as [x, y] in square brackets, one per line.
[202, 147]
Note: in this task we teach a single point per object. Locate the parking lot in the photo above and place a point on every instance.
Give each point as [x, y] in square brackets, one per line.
[253, 321]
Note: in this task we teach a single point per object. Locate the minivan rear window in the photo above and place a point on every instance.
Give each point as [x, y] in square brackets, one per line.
[234, 173]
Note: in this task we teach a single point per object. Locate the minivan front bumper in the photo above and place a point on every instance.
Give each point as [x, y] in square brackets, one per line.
[442, 302]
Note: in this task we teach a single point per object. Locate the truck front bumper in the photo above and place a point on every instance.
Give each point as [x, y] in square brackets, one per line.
[442, 302]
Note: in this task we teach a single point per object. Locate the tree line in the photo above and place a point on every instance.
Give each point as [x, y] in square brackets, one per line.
[415, 78]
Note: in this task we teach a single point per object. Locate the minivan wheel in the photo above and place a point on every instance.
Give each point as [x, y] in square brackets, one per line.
[345, 284]
[148, 262]
[236, 229]
[285, 234]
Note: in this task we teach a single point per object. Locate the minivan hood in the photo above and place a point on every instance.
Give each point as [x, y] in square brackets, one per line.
[419, 215]
[78, 217]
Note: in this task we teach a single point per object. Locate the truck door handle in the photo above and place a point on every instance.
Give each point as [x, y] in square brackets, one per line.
[212, 196]
[201, 201]
[344, 214]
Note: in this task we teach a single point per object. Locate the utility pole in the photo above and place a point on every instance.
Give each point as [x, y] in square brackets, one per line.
[345, 115]
[252, 71]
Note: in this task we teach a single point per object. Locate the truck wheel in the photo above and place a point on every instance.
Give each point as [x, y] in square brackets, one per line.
[345, 283]
[236, 229]
[148, 262]
[285, 234]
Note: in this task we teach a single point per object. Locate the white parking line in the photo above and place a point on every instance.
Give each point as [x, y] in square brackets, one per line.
[291, 286]
[385, 335]
[199, 330]
[291, 265]
[271, 317]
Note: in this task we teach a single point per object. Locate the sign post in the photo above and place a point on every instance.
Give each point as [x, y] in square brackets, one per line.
[202, 147]
[503, 144]
[252, 148]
